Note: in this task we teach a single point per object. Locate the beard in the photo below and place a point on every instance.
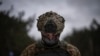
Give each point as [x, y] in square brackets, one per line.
[50, 42]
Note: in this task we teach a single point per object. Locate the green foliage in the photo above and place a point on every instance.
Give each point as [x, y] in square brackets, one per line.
[13, 35]
[87, 40]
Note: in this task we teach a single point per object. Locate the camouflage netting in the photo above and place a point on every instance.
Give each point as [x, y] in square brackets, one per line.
[59, 21]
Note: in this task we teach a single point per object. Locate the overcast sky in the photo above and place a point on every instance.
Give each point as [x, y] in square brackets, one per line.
[77, 13]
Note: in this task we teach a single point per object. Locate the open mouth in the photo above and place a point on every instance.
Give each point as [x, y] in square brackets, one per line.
[50, 36]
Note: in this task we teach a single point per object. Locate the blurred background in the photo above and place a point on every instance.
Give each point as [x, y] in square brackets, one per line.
[18, 19]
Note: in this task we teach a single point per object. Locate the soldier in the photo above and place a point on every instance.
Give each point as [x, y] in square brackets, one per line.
[50, 24]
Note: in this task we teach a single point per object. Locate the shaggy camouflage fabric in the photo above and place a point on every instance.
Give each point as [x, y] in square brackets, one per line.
[59, 21]
[33, 48]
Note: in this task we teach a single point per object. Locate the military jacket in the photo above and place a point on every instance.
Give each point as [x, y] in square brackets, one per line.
[35, 48]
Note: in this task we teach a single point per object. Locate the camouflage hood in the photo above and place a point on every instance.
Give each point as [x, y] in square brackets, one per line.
[51, 18]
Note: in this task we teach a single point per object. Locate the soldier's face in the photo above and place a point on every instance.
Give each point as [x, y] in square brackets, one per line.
[50, 26]
[49, 35]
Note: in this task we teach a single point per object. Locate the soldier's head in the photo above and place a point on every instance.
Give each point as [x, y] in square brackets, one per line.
[50, 24]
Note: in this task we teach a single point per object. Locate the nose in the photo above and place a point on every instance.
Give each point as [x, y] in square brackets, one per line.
[50, 27]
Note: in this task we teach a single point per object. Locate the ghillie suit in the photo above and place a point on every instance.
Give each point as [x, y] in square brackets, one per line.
[51, 25]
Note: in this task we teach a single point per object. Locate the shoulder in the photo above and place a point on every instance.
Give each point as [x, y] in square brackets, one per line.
[73, 50]
[29, 50]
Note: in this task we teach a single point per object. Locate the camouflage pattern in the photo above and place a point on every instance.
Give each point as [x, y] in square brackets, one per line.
[32, 49]
[73, 50]
[29, 50]
[59, 21]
